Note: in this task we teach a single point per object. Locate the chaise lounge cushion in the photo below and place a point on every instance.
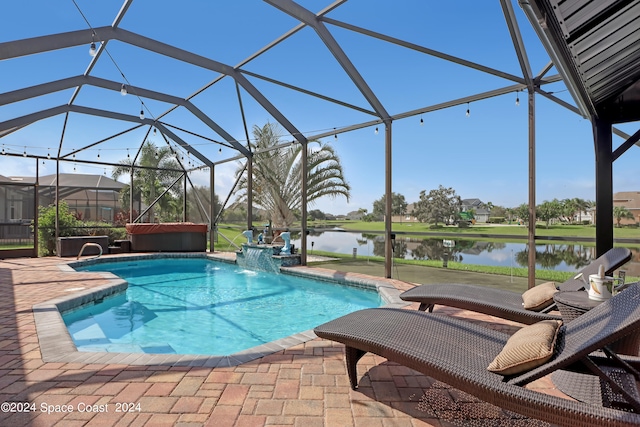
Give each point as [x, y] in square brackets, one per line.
[539, 297]
[528, 348]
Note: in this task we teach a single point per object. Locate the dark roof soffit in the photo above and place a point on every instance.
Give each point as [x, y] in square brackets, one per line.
[596, 44]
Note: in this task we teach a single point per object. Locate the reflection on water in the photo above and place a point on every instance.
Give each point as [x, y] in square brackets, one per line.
[562, 257]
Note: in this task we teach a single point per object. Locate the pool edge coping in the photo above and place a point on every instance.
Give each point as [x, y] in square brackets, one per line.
[56, 344]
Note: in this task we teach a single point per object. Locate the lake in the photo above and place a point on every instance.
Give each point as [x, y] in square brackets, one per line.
[567, 256]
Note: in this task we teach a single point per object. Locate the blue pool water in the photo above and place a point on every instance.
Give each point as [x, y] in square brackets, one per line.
[197, 306]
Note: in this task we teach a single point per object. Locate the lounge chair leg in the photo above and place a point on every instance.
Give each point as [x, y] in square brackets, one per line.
[352, 356]
[426, 306]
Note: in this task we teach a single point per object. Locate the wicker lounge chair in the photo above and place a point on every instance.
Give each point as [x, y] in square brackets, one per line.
[502, 303]
[458, 352]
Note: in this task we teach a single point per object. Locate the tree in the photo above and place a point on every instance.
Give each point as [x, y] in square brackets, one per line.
[572, 208]
[582, 206]
[438, 205]
[316, 214]
[509, 214]
[277, 183]
[500, 211]
[398, 205]
[150, 183]
[567, 210]
[366, 217]
[522, 212]
[194, 210]
[548, 211]
[620, 213]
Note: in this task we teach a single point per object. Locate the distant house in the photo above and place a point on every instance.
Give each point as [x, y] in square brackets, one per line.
[631, 201]
[587, 216]
[408, 216]
[93, 197]
[481, 213]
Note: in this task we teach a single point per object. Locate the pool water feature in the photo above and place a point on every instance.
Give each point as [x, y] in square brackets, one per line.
[198, 306]
[265, 257]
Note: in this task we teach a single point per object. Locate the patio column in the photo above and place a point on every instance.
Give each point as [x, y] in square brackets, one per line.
[303, 202]
[57, 196]
[603, 135]
[212, 208]
[532, 190]
[36, 203]
[388, 244]
[131, 196]
[249, 192]
[184, 201]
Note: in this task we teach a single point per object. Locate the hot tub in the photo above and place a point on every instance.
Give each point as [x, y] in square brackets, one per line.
[168, 237]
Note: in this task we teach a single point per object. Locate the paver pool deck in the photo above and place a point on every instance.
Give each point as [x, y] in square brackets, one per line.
[304, 385]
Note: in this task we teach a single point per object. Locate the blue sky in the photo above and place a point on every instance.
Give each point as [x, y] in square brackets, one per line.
[481, 156]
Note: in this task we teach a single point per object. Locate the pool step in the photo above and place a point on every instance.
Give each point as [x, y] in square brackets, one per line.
[120, 247]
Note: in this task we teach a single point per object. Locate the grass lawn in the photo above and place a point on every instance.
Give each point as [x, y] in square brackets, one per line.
[487, 231]
[16, 246]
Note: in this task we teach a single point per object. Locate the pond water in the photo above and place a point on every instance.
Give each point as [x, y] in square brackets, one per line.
[567, 256]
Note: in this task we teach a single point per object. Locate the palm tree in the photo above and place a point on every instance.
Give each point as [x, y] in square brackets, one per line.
[575, 207]
[569, 209]
[583, 206]
[148, 184]
[277, 183]
[620, 213]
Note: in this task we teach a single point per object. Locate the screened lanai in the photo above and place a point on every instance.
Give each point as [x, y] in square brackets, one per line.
[194, 80]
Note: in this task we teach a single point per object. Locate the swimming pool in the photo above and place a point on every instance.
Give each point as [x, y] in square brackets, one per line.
[198, 306]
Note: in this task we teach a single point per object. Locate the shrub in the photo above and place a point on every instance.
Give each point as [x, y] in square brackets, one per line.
[496, 220]
[67, 224]
[97, 228]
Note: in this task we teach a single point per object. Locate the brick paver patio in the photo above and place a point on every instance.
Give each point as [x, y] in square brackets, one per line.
[303, 385]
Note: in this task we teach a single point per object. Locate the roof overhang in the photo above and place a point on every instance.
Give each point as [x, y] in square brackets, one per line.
[595, 45]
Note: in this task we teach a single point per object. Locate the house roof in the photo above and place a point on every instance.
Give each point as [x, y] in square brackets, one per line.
[71, 183]
[628, 199]
[74, 180]
[471, 202]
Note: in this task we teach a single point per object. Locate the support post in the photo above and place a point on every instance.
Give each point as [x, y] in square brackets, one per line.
[96, 217]
[184, 201]
[532, 189]
[603, 136]
[212, 209]
[388, 248]
[57, 197]
[36, 203]
[131, 196]
[305, 189]
[249, 192]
